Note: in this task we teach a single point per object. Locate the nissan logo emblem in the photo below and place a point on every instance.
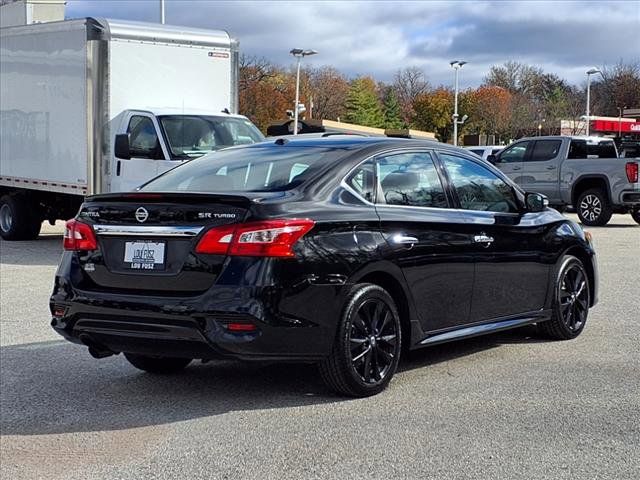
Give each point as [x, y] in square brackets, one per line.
[142, 214]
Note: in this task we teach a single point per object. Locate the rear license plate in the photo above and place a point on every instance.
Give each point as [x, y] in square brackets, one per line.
[144, 255]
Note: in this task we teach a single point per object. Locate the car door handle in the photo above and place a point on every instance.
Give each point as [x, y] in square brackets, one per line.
[482, 238]
[551, 167]
[400, 239]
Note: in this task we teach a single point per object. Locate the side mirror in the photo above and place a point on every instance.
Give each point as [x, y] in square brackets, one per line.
[492, 159]
[535, 202]
[121, 148]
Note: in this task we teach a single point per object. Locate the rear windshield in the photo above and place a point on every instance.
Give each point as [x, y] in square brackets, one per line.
[255, 169]
[584, 149]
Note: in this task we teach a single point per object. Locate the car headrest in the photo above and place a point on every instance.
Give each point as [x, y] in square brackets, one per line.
[403, 181]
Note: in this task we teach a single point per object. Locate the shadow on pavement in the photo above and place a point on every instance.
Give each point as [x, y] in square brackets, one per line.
[55, 387]
[44, 251]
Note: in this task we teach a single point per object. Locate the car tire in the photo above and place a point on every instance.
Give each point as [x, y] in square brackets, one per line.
[593, 207]
[366, 350]
[635, 214]
[17, 221]
[571, 300]
[157, 364]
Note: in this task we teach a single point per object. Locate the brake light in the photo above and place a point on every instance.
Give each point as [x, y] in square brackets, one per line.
[216, 241]
[632, 172]
[271, 238]
[79, 236]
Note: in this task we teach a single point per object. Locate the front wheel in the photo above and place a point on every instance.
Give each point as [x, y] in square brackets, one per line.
[18, 220]
[157, 364]
[571, 301]
[635, 214]
[366, 350]
[593, 207]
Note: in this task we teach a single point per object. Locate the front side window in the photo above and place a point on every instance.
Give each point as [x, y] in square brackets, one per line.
[143, 138]
[544, 150]
[190, 136]
[477, 187]
[515, 153]
[410, 179]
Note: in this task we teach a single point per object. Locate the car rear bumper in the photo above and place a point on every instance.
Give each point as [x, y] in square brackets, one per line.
[630, 198]
[199, 327]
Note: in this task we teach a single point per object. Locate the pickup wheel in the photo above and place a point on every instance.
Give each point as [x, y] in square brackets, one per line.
[593, 207]
[17, 220]
[635, 214]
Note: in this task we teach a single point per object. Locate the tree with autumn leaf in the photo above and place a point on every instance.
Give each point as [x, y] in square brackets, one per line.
[490, 110]
[433, 111]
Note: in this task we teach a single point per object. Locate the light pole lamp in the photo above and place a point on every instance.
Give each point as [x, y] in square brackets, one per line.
[591, 71]
[299, 53]
[456, 65]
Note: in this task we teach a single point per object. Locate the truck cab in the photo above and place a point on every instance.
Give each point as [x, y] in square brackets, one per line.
[160, 139]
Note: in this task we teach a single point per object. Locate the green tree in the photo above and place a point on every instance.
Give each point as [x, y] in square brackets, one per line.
[362, 106]
[391, 108]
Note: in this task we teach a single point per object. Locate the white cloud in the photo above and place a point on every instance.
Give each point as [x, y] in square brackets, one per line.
[380, 37]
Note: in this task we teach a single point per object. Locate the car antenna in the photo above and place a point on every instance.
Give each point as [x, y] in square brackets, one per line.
[226, 110]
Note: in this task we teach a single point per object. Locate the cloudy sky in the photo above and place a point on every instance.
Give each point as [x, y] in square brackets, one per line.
[377, 37]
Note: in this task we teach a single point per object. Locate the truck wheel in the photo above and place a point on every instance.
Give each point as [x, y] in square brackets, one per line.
[17, 222]
[593, 207]
[635, 214]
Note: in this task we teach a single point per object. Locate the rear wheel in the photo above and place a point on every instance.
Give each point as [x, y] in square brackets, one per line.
[593, 207]
[366, 350]
[571, 301]
[17, 220]
[157, 364]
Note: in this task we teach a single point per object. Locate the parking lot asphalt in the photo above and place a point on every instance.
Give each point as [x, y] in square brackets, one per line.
[509, 405]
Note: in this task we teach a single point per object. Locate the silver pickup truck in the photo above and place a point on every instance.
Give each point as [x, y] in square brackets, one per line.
[582, 172]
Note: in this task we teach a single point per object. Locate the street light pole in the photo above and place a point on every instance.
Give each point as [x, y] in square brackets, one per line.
[620, 109]
[299, 54]
[162, 12]
[456, 65]
[591, 71]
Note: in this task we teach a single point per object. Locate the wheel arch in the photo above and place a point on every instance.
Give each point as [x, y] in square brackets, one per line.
[587, 182]
[400, 296]
[585, 258]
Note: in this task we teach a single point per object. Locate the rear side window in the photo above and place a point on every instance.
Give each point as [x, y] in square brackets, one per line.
[252, 169]
[544, 150]
[601, 150]
[411, 179]
[362, 180]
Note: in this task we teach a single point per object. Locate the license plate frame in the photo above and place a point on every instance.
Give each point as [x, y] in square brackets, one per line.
[145, 255]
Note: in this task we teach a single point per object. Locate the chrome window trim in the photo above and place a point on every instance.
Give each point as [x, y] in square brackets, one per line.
[148, 230]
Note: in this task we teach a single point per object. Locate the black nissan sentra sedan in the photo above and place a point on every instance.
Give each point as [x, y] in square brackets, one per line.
[343, 251]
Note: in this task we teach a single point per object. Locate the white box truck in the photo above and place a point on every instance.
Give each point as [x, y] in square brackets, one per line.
[72, 91]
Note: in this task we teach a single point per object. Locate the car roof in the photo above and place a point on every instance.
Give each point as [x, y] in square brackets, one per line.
[351, 142]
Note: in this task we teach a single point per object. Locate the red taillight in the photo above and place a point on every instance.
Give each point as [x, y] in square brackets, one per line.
[241, 327]
[632, 172]
[272, 238]
[79, 236]
[217, 240]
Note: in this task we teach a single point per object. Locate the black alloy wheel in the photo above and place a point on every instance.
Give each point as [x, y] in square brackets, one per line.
[367, 348]
[571, 300]
[593, 208]
[374, 340]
